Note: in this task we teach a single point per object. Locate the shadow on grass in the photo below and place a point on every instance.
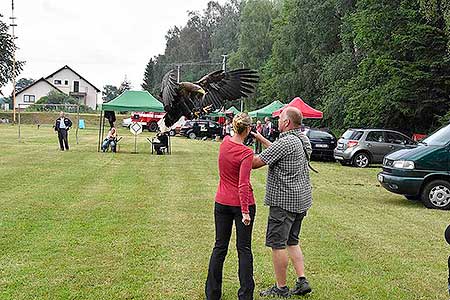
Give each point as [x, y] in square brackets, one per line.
[399, 202]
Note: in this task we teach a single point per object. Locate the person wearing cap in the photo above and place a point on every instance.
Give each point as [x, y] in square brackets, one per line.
[234, 203]
[289, 197]
[62, 127]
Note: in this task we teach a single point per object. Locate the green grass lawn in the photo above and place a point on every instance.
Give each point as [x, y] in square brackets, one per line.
[88, 225]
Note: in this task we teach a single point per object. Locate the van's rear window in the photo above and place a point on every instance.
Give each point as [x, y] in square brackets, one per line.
[352, 135]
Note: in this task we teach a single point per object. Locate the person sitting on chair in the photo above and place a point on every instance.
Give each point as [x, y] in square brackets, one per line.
[110, 140]
[161, 141]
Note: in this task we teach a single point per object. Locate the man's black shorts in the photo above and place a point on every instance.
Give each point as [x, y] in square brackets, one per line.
[283, 228]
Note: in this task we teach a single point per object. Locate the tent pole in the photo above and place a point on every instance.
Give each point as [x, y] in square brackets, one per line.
[78, 123]
[20, 138]
[99, 131]
[103, 128]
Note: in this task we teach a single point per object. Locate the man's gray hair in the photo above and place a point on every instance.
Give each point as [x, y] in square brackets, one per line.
[294, 115]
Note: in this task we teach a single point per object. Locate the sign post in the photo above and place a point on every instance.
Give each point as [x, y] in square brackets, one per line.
[135, 129]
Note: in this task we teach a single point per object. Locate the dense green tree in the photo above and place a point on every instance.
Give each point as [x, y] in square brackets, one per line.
[110, 92]
[7, 48]
[368, 63]
[23, 83]
[403, 68]
[125, 85]
[304, 35]
[149, 77]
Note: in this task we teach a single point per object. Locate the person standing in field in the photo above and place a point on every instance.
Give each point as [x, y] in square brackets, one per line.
[258, 145]
[288, 195]
[62, 127]
[234, 202]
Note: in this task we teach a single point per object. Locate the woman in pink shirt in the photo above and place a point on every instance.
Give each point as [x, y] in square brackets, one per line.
[234, 203]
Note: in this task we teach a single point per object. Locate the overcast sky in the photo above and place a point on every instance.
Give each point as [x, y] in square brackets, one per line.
[102, 40]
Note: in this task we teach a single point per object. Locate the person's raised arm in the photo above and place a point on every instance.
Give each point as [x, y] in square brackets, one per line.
[258, 136]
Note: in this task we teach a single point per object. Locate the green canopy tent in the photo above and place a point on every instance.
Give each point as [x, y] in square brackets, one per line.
[141, 101]
[134, 101]
[233, 110]
[266, 111]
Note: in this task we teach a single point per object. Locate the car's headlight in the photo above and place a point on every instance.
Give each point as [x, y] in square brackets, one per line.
[403, 164]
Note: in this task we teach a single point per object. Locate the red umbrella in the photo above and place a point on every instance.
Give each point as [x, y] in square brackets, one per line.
[307, 111]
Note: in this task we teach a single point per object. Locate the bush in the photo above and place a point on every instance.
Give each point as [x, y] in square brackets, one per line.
[55, 97]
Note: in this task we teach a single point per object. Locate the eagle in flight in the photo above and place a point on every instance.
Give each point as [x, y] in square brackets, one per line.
[192, 100]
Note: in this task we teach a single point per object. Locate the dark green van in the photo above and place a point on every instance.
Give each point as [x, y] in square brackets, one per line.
[421, 173]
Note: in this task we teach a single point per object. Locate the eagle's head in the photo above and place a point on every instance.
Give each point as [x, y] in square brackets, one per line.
[192, 88]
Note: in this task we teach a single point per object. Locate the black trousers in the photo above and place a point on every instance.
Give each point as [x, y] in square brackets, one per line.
[62, 137]
[224, 216]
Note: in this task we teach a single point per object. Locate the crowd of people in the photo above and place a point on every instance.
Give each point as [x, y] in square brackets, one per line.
[288, 196]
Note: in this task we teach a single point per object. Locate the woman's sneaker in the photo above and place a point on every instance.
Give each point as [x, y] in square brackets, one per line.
[274, 291]
[301, 287]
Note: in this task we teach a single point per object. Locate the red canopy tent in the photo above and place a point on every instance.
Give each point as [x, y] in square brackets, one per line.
[307, 111]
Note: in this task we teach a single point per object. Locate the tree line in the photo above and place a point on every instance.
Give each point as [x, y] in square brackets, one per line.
[364, 63]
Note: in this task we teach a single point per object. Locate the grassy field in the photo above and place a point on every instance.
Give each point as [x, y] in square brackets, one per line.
[88, 225]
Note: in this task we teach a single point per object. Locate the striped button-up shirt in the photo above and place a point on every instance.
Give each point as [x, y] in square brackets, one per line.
[288, 184]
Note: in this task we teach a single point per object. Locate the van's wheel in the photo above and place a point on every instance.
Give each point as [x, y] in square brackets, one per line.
[192, 135]
[153, 126]
[172, 132]
[436, 194]
[361, 160]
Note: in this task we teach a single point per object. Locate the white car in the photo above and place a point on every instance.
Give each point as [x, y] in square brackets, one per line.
[127, 123]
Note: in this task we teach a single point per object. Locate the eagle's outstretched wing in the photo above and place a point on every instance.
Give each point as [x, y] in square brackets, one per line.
[211, 92]
[221, 86]
[169, 89]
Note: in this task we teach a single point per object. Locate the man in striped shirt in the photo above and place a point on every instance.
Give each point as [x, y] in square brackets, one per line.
[288, 194]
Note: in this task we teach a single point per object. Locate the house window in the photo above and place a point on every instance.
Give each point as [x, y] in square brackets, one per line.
[66, 82]
[76, 86]
[28, 98]
[57, 81]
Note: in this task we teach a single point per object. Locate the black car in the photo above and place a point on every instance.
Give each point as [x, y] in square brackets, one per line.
[200, 128]
[322, 142]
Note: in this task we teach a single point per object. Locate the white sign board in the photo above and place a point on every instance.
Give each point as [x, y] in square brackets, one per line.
[135, 128]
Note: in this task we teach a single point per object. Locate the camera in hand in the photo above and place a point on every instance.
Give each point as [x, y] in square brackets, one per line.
[249, 140]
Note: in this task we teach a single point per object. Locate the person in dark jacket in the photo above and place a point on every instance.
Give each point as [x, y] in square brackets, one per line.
[161, 141]
[62, 126]
[111, 117]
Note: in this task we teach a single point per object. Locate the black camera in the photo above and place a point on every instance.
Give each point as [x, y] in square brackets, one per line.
[249, 140]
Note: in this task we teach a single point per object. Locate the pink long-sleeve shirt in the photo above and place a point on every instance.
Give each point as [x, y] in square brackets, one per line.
[235, 165]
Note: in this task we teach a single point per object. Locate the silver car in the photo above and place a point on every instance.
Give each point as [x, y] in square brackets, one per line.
[361, 147]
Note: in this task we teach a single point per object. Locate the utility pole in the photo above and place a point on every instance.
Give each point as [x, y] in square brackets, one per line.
[224, 62]
[178, 73]
[242, 101]
[13, 25]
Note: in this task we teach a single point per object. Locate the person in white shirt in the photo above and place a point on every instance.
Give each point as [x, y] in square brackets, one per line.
[62, 126]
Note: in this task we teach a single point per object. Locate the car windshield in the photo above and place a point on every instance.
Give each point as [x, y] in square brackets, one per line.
[352, 135]
[439, 138]
[316, 134]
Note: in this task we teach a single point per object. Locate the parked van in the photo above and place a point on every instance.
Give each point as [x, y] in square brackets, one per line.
[421, 173]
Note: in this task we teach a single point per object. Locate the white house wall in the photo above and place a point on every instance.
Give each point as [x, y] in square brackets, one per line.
[38, 90]
[67, 74]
